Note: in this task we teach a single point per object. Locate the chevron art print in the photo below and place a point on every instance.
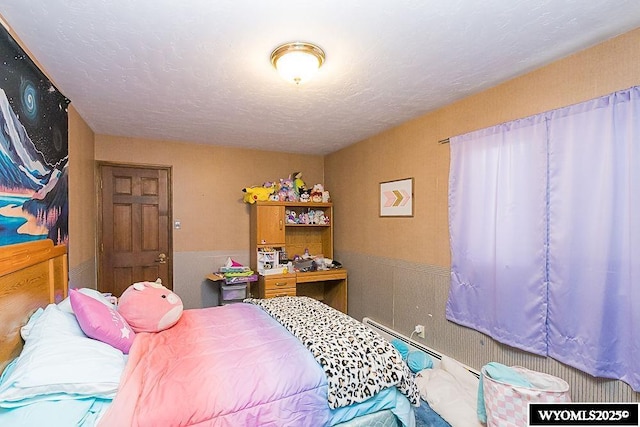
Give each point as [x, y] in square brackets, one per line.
[396, 197]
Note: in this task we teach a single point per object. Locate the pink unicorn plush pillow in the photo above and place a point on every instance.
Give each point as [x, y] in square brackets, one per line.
[150, 307]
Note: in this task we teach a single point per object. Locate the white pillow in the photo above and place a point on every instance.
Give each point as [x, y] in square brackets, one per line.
[451, 391]
[59, 362]
[65, 304]
[26, 329]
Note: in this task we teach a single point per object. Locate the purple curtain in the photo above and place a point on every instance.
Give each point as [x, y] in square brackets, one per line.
[545, 234]
[594, 236]
[497, 222]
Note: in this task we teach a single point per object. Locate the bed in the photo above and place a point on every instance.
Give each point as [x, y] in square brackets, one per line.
[232, 365]
[32, 275]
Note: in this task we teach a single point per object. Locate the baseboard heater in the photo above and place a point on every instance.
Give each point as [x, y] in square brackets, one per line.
[389, 334]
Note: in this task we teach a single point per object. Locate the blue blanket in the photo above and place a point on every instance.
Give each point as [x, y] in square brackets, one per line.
[427, 417]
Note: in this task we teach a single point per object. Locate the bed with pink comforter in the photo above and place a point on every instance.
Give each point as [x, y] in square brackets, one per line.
[228, 366]
[243, 364]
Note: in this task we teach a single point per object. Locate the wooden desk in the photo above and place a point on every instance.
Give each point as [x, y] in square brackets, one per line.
[328, 286]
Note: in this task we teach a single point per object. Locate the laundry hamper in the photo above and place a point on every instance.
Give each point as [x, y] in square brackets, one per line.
[508, 405]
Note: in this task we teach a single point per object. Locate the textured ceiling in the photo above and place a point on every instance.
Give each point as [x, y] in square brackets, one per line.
[199, 70]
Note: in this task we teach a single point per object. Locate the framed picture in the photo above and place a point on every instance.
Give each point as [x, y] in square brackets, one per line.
[396, 197]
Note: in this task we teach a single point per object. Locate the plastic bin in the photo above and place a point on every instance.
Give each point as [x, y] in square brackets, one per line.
[233, 292]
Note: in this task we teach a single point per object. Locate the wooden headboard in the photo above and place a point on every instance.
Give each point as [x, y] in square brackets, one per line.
[32, 275]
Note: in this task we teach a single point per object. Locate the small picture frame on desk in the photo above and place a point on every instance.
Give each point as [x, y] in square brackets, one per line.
[396, 198]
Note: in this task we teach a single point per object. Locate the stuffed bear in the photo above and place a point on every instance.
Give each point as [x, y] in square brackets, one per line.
[150, 307]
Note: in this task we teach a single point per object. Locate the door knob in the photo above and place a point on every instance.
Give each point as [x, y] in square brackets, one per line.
[162, 258]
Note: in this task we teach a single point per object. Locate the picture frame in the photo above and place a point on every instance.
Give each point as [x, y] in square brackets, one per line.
[396, 198]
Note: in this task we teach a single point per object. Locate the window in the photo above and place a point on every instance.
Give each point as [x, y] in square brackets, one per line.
[544, 216]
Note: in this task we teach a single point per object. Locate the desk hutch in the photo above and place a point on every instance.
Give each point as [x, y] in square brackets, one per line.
[271, 230]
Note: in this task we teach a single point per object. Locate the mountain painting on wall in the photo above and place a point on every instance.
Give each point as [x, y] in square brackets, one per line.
[33, 151]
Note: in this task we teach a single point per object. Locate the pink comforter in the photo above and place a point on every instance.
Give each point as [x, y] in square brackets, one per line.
[224, 366]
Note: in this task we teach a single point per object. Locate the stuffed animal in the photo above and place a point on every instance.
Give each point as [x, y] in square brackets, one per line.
[150, 307]
[257, 194]
[286, 193]
[274, 197]
[320, 218]
[316, 193]
[298, 183]
[274, 186]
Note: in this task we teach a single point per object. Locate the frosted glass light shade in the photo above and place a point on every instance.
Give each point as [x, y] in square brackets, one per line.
[297, 62]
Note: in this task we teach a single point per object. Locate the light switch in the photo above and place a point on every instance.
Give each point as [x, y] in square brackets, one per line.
[177, 224]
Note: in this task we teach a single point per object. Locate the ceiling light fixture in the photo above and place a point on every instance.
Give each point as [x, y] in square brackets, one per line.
[297, 62]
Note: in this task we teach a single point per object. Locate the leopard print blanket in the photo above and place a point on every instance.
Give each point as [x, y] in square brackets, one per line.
[358, 361]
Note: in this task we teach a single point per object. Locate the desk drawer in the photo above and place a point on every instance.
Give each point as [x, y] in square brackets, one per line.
[279, 283]
[279, 286]
[284, 292]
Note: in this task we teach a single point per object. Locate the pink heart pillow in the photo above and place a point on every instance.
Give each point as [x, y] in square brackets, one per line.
[100, 322]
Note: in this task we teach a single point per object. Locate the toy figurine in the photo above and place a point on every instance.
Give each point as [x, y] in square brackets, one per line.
[316, 193]
[298, 183]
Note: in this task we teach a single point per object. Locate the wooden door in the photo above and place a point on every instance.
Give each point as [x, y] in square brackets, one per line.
[135, 226]
[270, 229]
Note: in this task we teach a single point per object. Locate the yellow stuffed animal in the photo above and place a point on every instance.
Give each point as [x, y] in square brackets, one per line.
[257, 194]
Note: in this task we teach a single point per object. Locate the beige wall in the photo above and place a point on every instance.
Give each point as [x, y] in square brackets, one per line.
[82, 196]
[412, 150]
[207, 199]
[207, 184]
[399, 267]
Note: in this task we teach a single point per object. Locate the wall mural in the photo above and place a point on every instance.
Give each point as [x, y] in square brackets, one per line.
[34, 151]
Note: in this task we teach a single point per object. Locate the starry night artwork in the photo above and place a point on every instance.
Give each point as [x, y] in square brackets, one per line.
[34, 151]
